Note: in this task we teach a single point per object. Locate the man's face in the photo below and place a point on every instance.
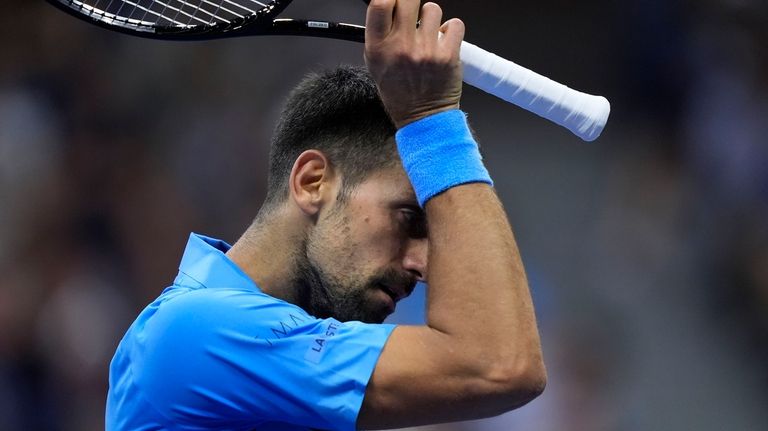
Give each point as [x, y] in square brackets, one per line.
[367, 253]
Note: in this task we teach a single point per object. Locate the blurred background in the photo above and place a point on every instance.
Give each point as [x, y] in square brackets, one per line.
[647, 249]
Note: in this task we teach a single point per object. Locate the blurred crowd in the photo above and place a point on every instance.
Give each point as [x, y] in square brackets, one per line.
[647, 250]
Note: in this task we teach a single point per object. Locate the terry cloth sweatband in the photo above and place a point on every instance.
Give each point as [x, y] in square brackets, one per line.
[438, 152]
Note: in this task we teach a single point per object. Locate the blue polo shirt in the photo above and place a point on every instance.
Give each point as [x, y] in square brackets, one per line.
[215, 352]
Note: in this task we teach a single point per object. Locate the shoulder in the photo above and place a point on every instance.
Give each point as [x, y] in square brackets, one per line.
[203, 311]
[243, 354]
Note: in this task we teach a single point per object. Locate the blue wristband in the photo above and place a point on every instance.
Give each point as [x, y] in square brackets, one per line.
[438, 152]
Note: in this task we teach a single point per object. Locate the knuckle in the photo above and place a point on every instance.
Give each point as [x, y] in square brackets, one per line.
[405, 56]
[443, 60]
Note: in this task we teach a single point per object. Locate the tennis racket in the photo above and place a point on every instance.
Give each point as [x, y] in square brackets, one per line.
[583, 114]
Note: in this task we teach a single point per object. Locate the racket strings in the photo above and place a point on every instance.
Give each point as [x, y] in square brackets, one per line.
[168, 13]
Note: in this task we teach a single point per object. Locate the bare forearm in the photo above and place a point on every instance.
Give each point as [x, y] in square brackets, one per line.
[478, 289]
[479, 354]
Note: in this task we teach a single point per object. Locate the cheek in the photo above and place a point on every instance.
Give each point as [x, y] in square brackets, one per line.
[346, 247]
[378, 238]
[334, 250]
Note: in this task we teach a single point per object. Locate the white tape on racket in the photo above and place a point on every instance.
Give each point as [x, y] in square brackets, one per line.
[583, 114]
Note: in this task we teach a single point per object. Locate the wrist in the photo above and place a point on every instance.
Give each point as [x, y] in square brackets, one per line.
[404, 120]
[438, 152]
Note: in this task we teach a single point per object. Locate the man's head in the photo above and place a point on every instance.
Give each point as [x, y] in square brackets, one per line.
[339, 113]
[360, 236]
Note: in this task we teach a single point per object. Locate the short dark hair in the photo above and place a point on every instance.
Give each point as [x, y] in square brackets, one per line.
[338, 112]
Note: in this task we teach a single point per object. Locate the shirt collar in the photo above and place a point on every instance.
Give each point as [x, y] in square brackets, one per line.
[204, 262]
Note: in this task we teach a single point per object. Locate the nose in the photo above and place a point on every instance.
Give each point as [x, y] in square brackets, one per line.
[415, 258]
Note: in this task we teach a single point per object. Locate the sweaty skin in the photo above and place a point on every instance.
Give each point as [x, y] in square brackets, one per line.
[479, 353]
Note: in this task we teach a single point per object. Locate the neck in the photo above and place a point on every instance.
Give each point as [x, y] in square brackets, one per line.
[267, 253]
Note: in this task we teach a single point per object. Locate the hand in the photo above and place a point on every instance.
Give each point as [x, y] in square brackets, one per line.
[417, 70]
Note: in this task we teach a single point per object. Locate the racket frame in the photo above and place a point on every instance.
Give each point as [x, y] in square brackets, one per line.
[260, 23]
[583, 114]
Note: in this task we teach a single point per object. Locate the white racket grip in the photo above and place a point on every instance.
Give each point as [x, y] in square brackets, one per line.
[583, 114]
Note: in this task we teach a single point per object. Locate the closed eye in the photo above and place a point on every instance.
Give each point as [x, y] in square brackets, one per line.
[414, 222]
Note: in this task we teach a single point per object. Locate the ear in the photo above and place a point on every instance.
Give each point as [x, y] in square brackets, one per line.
[312, 182]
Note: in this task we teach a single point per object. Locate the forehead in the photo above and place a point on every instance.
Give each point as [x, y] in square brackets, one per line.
[389, 185]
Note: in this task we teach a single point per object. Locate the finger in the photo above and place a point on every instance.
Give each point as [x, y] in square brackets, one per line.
[406, 16]
[431, 16]
[378, 19]
[453, 35]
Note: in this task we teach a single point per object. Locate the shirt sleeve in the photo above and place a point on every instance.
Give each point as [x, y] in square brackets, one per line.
[231, 359]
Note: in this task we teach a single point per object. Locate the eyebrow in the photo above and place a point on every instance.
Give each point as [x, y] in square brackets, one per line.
[406, 198]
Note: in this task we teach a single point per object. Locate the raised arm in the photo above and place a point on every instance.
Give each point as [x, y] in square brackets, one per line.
[479, 354]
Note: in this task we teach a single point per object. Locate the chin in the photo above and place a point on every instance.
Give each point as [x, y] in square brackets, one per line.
[366, 319]
[369, 317]
[377, 317]
[378, 320]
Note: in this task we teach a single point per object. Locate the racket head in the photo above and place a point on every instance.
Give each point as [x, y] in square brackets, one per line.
[178, 19]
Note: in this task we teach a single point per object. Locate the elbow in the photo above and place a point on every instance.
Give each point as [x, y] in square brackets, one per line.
[534, 382]
[517, 384]
[536, 377]
[527, 383]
